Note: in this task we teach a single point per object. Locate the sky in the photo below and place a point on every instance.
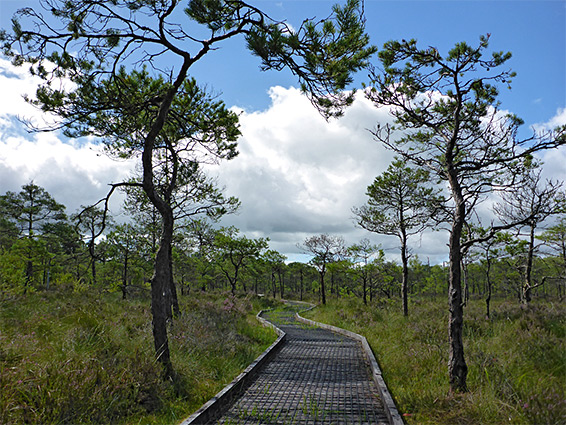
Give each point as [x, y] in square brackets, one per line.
[298, 175]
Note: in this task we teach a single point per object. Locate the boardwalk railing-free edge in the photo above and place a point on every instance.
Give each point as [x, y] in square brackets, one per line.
[388, 402]
[217, 404]
[214, 407]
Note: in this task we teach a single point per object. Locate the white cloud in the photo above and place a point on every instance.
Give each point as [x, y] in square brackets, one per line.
[73, 173]
[557, 120]
[298, 175]
[555, 159]
[17, 82]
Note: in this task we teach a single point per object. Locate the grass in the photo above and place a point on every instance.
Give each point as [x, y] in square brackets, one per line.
[516, 360]
[88, 358]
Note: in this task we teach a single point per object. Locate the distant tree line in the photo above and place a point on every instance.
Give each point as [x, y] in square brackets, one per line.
[44, 248]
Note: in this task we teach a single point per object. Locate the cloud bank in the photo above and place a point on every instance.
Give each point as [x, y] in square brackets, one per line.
[297, 175]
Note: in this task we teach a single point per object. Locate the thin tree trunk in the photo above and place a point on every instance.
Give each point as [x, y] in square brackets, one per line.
[125, 272]
[281, 284]
[174, 300]
[466, 294]
[488, 287]
[273, 285]
[29, 275]
[405, 282]
[301, 285]
[322, 289]
[526, 298]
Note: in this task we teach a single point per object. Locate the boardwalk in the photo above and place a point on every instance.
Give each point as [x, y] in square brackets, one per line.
[318, 377]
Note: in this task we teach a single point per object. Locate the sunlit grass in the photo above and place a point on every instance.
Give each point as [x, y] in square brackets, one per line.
[88, 358]
[516, 360]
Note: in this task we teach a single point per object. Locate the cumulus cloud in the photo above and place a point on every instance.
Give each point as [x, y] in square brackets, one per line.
[74, 173]
[554, 159]
[556, 121]
[17, 82]
[298, 175]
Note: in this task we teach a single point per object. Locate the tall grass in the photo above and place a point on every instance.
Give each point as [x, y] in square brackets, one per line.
[69, 358]
[516, 360]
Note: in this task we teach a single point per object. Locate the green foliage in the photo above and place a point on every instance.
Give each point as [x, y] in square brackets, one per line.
[235, 253]
[31, 209]
[12, 275]
[517, 360]
[86, 358]
[323, 57]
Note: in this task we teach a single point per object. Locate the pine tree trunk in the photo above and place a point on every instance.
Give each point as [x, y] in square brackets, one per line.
[488, 287]
[322, 289]
[161, 279]
[273, 285]
[457, 368]
[405, 283]
[161, 296]
[174, 300]
[29, 275]
[526, 298]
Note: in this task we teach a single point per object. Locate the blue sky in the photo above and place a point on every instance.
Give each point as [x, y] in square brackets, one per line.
[533, 31]
[298, 175]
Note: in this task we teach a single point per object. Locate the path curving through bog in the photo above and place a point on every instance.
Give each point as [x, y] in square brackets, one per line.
[317, 377]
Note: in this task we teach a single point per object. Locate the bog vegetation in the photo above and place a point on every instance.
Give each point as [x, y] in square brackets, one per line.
[449, 133]
[517, 358]
[76, 344]
[86, 357]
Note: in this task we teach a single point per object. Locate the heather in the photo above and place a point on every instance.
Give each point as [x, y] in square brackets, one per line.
[68, 357]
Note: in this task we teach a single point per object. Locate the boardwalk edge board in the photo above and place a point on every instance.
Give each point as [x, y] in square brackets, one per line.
[216, 404]
[388, 402]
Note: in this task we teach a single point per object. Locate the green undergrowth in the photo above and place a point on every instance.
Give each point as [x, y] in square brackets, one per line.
[516, 360]
[68, 358]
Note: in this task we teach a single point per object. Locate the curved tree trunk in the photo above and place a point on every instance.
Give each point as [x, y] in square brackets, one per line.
[161, 296]
[161, 281]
